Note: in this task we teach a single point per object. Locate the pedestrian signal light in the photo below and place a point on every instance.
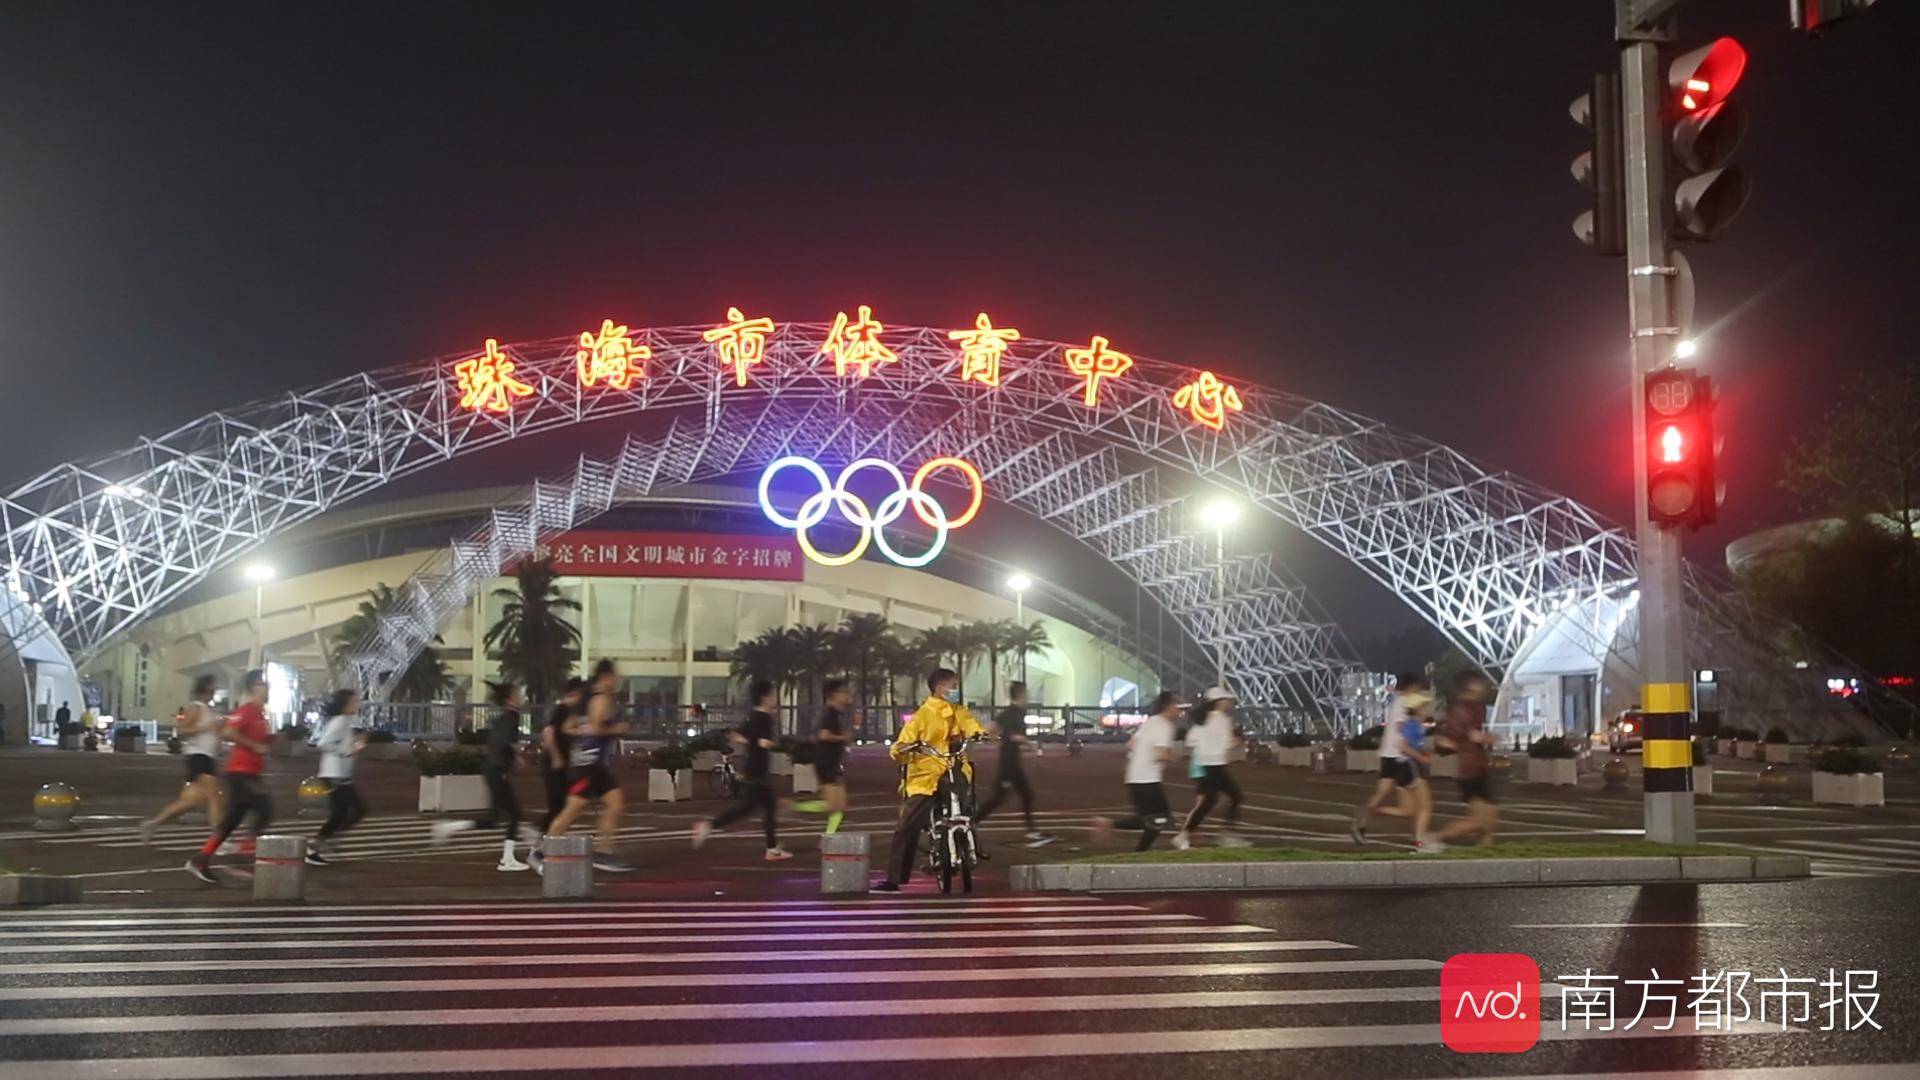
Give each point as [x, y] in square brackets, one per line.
[1682, 483]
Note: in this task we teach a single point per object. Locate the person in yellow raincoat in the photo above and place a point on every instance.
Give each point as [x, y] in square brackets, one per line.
[941, 722]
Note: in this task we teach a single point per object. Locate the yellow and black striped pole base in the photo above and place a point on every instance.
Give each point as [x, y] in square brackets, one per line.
[1666, 760]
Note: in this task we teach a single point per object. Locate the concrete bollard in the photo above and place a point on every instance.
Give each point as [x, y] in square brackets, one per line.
[280, 868]
[844, 863]
[568, 874]
[53, 807]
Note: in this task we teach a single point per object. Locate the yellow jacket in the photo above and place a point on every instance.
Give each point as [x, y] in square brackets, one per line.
[937, 722]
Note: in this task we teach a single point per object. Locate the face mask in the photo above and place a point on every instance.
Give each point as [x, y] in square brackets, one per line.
[952, 695]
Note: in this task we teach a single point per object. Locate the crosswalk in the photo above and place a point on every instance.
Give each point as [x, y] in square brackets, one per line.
[807, 987]
[1852, 855]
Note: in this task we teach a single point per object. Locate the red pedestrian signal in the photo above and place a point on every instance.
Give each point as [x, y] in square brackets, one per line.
[1682, 471]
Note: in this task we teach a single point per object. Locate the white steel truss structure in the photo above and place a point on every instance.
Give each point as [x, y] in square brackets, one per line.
[91, 548]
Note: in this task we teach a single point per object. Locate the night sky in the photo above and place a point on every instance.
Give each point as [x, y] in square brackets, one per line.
[1365, 203]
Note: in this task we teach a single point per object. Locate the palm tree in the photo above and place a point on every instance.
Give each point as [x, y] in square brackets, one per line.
[768, 655]
[1023, 641]
[973, 638]
[998, 633]
[814, 656]
[910, 660]
[860, 641]
[536, 643]
[426, 677]
[941, 643]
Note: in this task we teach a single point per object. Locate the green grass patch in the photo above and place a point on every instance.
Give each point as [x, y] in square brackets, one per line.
[1517, 849]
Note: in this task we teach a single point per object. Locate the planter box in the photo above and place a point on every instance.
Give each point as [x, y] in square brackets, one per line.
[453, 794]
[706, 761]
[1703, 779]
[1237, 754]
[805, 779]
[386, 751]
[1560, 772]
[287, 748]
[1746, 751]
[1723, 747]
[129, 744]
[1298, 757]
[1447, 765]
[782, 765]
[1860, 789]
[1363, 760]
[70, 742]
[664, 785]
[1785, 753]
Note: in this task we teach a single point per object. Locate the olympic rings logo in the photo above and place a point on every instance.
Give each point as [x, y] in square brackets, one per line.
[871, 521]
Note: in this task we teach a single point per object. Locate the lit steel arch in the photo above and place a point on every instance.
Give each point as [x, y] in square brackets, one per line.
[91, 548]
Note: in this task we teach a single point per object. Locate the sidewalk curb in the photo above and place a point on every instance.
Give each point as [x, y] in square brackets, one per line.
[25, 890]
[1401, 873]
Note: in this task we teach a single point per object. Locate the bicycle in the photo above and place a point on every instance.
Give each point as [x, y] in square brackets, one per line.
[724, 780]
[950, 838]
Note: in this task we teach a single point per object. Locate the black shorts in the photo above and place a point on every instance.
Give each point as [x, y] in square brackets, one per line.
[828, 772]
[592, 782]
[199, 765]
[1476, 787]
[1399, 770]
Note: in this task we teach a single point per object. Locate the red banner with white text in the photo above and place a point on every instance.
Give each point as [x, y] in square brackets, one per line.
[597, 553]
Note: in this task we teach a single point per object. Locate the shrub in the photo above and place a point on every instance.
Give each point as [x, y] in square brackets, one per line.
[802, 753]
[1552, 748]
[1292, 740]
[1366, 740]
[1776, 735]
[1854, 739]
[1848, 760]
[1740, 734]
[1707, 726]
[708, 741]
[467, 736]
[297, 732]
[380, 737]
[671, 758]
[72, 727]
[450, 760]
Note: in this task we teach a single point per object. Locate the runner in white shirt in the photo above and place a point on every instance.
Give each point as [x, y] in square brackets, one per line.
[1399, 773]
[1210, 741]
[1148, 752]
[199, 731]
[339, 743]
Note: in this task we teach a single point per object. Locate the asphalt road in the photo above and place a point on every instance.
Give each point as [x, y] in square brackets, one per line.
[1186, 986]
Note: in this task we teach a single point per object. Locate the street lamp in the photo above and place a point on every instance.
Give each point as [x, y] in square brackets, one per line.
[1685, 349]
[1020, 583]
[259, 573]
[1220, 513]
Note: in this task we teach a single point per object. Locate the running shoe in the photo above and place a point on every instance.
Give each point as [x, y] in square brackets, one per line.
[1180, 841]
[886, 886]
[147, 829]
[1359, 834]
[1040, 839]
[775, 854]
[538, 862]
[611, 864]
[314, 858]
[444, 831]
[197, 866]
[1429, 845]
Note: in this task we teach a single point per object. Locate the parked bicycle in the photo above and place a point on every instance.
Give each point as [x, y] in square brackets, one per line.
[724, 780]
[950, 841]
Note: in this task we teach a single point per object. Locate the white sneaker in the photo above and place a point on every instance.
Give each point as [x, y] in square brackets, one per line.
[444, 831]
[508, 862]
[775, 854]
[1180, 841]
[1429, 845]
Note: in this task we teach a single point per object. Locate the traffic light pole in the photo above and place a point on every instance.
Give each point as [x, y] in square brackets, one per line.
[1666, 694]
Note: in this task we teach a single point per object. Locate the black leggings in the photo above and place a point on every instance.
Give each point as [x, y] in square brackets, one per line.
[1150, 813]
[504, 802]
[346, 806]
[1214, 782]
[557, 783]
[752, 794]
[1014, 779]
[245, 795]
[914, 815]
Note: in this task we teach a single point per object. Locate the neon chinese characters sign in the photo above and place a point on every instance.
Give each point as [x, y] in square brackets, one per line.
[855, 343]
[486, 381]
[742, 343]
[1096, 362]
[610, 355]
[872, 521]
[981, 349]
[1207, 400]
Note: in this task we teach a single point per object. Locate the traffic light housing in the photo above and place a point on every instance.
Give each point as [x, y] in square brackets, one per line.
[1703, 128]
[1683, 450]
[1818, 16]
[1601, 168]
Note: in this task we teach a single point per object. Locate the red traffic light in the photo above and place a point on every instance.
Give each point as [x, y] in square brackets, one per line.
[1704, 77]
[1682, 474]
[1671, 444]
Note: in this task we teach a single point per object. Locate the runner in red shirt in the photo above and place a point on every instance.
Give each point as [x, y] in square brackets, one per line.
[247, 730]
